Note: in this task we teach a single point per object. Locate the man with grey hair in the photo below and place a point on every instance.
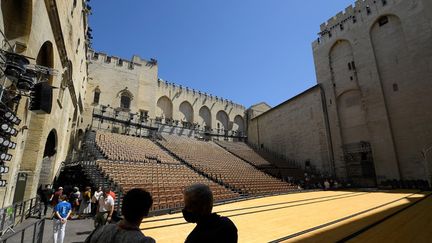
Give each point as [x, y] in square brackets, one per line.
[210, 227]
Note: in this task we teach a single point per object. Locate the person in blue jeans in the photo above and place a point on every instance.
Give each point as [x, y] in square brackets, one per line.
[61, 214]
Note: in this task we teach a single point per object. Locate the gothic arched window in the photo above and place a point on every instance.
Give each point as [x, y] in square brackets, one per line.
[96, 96]
[126, 98]
[125, 101]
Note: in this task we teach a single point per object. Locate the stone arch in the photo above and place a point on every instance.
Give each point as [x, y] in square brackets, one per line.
[49, 155]
[17, 19]
[395, 68]
[164, 107]
[45, 58]
[205, 119]
[342, 63]
[126, 98]
[187, 112]
[358, 164]
[222, 120]
[238, 124]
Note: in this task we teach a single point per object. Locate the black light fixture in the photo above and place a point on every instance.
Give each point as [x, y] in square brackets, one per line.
[5, 157]
[27, 80]
[5, 128]
[12, 145]
[11, 117]
[3, 183]
[6, 143]
[4, 169]
[21, 73]
[15, 66]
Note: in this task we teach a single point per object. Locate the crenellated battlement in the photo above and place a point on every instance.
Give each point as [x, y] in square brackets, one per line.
[340, 17]
[199, 94]
[360, 12]
[117, 62]
[138, 62]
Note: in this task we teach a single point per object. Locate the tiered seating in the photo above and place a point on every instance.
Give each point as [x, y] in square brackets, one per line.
[166, 182]
[284, 169]
[127, 148]
[220, 165]
[243, 151]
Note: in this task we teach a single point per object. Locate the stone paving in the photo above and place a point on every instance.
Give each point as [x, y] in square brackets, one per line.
[76, 230]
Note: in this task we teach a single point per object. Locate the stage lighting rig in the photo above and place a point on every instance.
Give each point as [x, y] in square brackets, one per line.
[4, 169]
[19, 78]
[5, 156]
[14, 65]
[5, 128]
[6, 143]
[21, 73]
[11, 117]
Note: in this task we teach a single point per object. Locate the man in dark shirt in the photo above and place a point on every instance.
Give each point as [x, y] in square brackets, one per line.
[45, 195]
[136, 206]
[210, 227]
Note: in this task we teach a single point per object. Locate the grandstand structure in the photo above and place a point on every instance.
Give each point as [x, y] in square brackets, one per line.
[220, 165]
[166, 164]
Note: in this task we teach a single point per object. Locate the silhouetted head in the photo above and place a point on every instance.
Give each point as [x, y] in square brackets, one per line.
[136, 205]
[198, 200]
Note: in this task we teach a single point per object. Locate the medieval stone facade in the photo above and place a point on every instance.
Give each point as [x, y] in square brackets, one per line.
[373, 62]
[134, 87]
[52, 34]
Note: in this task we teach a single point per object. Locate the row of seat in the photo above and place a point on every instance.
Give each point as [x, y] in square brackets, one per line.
[166, 182]
[224, 167]
[127, 148]
[243, 151]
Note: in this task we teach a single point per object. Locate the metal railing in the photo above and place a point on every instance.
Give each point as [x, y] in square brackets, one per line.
[30, 233]
[130, 121]
[15, 214]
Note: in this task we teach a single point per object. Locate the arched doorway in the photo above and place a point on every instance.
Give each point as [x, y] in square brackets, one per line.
[205, 120]
[355, 139]
[394, 60]
[164, 107]
[187, 112]
[238, 124]
[17, 19]
[49, 154]
[222, 121]
[45, 57]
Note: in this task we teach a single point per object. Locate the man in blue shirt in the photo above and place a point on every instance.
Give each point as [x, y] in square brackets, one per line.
[61, 213]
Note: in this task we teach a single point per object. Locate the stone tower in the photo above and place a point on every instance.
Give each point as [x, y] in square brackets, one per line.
[374, 62]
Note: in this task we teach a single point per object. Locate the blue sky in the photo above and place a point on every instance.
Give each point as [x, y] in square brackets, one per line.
[247, 51]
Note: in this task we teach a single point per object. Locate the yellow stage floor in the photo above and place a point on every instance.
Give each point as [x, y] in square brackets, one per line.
[322, 216]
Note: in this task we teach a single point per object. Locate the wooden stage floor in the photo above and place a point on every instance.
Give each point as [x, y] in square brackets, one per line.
[321, 216]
